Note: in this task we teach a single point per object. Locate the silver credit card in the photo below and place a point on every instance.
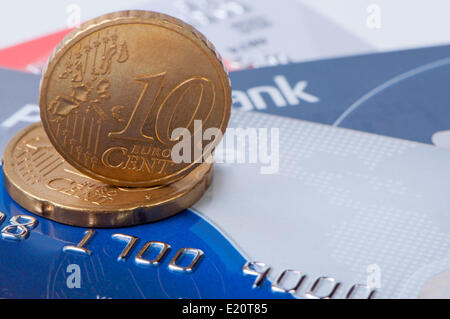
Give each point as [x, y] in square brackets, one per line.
[336, 204]
[261, 33]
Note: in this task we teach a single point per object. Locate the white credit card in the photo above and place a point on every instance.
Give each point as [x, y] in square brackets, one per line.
[247, 33]
[348, 205]
[260, 33]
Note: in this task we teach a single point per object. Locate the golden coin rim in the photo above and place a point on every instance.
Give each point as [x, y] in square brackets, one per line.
[134, 17]
[84, 217]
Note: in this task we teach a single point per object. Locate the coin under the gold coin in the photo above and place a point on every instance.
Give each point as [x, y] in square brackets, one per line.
[38, 179]
[116, 89]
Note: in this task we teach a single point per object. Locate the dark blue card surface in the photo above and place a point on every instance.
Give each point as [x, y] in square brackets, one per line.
[404, 94]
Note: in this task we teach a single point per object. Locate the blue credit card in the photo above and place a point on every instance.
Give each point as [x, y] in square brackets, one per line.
[39, 266]
[399, 94]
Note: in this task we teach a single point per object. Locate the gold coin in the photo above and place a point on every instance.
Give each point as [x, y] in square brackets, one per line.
[39, 179]
[115, 89]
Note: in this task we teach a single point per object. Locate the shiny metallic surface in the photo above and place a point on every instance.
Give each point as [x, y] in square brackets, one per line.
[80, 248]
[24, 220]
[117, 87]
[19, 228]
[279, 286]
[197, 253]
[37, 178]
[258, 269]
[15, 232]
[130, 242]
[318, 285]
[163, 248]
[354, 290]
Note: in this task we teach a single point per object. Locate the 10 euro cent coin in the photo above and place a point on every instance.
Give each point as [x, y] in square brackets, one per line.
[116, 89]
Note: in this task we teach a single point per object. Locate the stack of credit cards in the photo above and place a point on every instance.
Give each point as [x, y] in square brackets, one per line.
[355, 208]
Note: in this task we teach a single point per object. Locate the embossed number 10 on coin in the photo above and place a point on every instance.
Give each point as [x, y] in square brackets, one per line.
[117, 88]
